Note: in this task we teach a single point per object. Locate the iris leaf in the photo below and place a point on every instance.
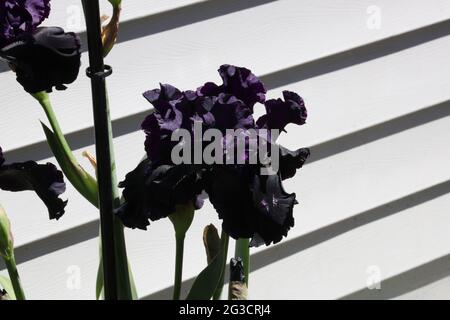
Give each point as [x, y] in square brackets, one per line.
[80, 179]
[208, 280]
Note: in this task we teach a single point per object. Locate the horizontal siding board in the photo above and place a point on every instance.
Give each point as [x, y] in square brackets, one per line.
[69, 13]
[339, 267]
[435, 290]
[194, 59]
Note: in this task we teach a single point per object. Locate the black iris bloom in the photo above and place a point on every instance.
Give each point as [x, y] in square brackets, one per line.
[250, 204]
[44, 179]
[42, 57]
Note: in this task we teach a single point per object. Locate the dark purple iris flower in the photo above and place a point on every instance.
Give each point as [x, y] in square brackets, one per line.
[44, 179]
[43, 58]
[250, 204]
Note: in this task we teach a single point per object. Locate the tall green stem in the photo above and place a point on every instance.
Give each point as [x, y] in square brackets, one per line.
[224, 239]
[181, 220]
[14, 277]
[89, 191]
[178, 266]
[45, 102]
[242, 250]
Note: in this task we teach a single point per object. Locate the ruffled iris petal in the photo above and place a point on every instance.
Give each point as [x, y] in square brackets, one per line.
[275, 208]
[45, 59]
[18, 17]
[39, 10]
[44, 179]
[251, 205]
[291, 161]
[280, 113]
[173, 110]
[239, 82]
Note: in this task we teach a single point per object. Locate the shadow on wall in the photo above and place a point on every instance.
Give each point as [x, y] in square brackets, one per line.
[392, 287]
[304, 71]
[175, 18]
[406, 282]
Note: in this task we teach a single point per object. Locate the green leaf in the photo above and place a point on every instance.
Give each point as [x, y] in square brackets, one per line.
[78, 177]
[125, 293]
[6, 284]
[99, 283]
[207, 281]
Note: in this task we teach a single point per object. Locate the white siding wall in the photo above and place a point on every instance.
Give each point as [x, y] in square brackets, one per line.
[375, 193]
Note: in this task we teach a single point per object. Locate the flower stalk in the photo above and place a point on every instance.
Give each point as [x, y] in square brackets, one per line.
[178, 266]
[15, 278]
[7, 253]
[181, 220]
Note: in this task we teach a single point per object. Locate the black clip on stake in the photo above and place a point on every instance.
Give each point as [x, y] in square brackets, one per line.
[102, 74]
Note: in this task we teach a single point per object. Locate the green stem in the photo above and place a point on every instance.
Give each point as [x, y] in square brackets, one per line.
[44, 101]
[242, 250]
[178, 266]
[224, 250]
[125, 281]
[14, 277]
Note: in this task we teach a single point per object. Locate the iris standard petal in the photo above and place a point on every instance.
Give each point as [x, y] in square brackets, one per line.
[243, 84]
[18, 17]
[280, 113]
[239, 82]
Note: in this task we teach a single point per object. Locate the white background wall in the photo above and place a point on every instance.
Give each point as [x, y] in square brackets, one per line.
[374, 197]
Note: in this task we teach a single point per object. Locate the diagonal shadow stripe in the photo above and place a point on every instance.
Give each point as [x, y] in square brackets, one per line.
[291, 247]
[55, 242]
[128, 124]
[379, 131]
[294, 246]
[175, 18]
[358, 55]
[406, 282]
